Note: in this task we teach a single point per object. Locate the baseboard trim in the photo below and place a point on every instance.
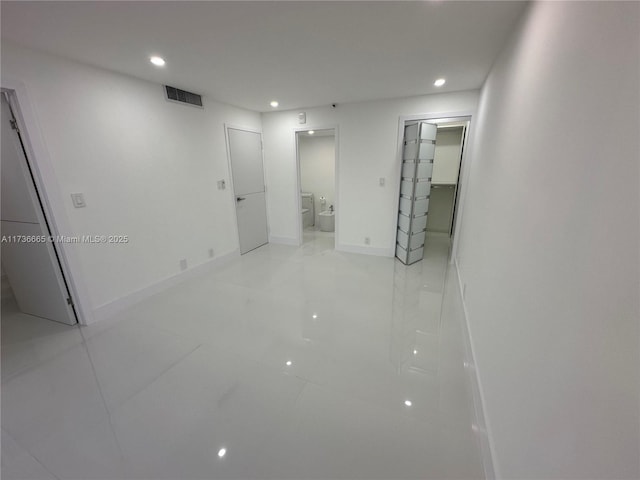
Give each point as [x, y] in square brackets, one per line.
[111, 308]
[284, 241]
[475, 384]
[364, 250]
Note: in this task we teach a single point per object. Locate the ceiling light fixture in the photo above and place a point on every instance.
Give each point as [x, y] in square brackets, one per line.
[158, 61]
[311, 132]
[408, 403]
[289, 363]
[274, 103]
[439, 82]
[222, 452]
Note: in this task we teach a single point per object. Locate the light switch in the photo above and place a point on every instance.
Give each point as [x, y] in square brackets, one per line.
[382, 181]
[221, 185]
[302, 118]
[78, 200]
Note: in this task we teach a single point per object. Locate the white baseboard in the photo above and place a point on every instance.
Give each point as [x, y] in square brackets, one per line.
[363, 249]
[109, 309]
[284, 241]
[473, 377]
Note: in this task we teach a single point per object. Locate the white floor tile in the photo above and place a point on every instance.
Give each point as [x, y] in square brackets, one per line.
[28, 341]
[297, 361]
[19, 464]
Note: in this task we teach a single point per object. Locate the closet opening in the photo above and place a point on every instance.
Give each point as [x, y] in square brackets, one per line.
[432, 153]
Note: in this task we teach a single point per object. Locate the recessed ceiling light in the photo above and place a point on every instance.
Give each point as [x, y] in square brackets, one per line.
[415, 352]
[408, 403]
[311, 132]
[289, 363]
[157, 61]
[222, 452]
[439, 82]
[314, 316]
[274, 103]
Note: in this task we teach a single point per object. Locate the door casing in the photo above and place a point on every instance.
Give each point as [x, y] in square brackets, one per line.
[336, 181]
[34, 269]
[53, 200]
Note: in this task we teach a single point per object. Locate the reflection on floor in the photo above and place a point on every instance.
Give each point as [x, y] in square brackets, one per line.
[312, 236]
[287, 363]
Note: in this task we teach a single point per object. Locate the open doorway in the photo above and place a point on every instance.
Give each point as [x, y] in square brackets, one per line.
[432, 152]
[445, 178]
[32, 273]
[317, 176]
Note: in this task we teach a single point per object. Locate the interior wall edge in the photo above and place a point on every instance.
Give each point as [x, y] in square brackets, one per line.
[40, 161]
[168, 153]
[474, 384]
[366, 151]
[548, 256]
[117, 305]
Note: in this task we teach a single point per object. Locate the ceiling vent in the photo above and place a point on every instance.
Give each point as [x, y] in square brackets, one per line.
[183, 96]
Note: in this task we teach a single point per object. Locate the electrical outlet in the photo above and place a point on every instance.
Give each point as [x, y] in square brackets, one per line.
[211, 253]
[221, 185]
[381, 181]
[183, 264]
[367, 241]
[78, 200]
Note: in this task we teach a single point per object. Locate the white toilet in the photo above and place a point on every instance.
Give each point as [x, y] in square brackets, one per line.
[327, 221]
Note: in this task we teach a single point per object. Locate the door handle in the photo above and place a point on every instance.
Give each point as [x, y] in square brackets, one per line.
[239, 199]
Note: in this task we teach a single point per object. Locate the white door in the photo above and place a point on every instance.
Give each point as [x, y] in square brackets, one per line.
[245, 151]
[28, 257]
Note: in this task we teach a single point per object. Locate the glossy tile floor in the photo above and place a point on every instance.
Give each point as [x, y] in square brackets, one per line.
[286, 363]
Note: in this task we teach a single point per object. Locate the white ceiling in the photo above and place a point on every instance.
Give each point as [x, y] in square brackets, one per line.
[302, 53]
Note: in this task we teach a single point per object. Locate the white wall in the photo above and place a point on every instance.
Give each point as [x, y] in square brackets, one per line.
[446, 158]
[148, 169]
[367, 138]
[550, 244]
[317, 169]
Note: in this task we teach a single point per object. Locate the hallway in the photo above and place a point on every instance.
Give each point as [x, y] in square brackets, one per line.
[298, 362]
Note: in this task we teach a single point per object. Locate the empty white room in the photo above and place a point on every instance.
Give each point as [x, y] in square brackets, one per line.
[320, 240]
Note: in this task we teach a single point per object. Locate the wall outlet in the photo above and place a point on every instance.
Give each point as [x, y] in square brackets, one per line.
[221, 185]
[183, 264]
[382, 181]
[367, 241]
[211, 253]
[78, 200]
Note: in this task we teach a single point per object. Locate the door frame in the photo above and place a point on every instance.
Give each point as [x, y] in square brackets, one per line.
[336, 176]
[463, 174]
[52, 198]
[231, 126]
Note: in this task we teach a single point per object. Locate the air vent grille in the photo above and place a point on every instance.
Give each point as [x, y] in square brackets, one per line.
[183, 96]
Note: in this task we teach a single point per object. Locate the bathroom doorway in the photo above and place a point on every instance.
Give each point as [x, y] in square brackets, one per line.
[316, 152]
[432, 153]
